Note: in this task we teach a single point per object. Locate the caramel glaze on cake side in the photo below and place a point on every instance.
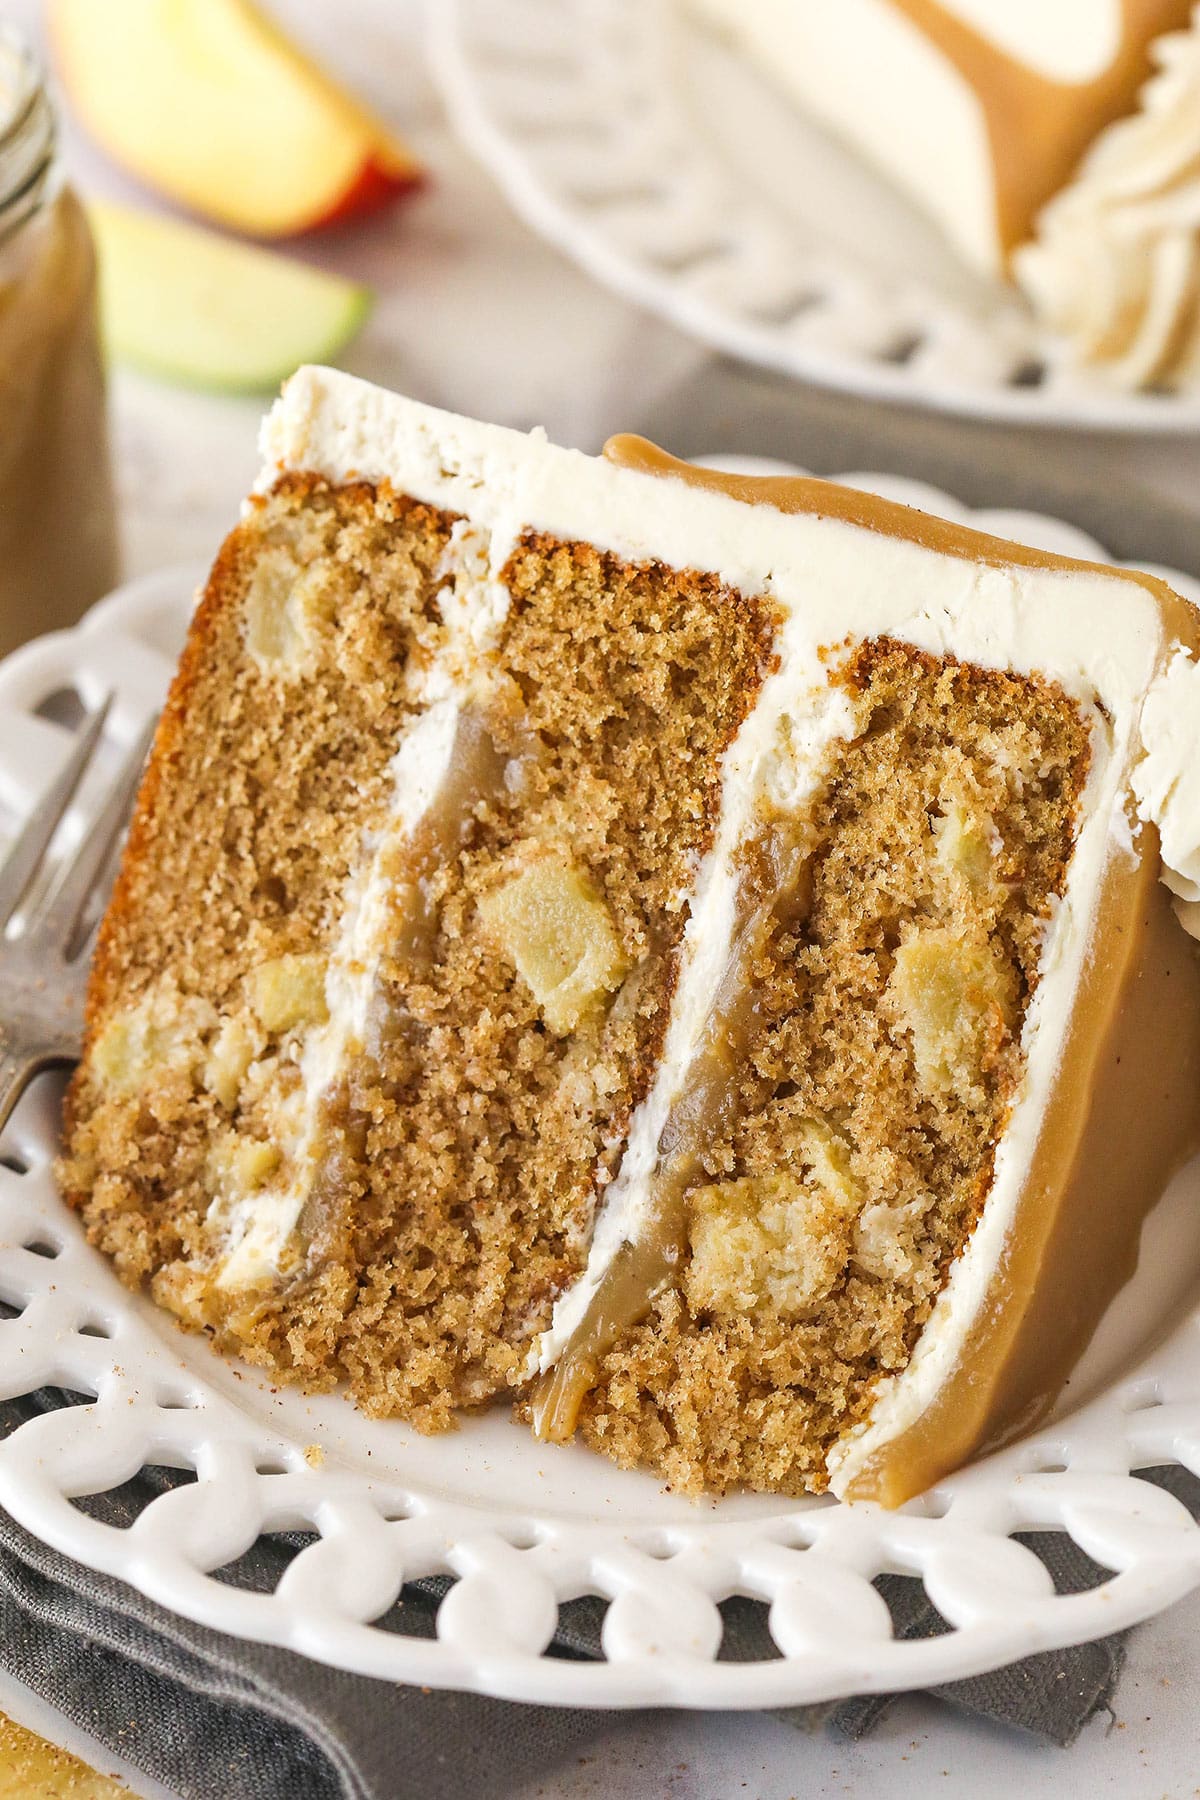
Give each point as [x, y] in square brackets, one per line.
[831, 1161]
[661, 1377]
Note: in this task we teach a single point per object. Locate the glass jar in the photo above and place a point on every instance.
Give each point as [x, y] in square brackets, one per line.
[58, 546]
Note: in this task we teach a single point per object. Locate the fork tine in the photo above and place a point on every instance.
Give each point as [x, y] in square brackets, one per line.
[21, 863]
[82, 951]
[56, 922]
[79, 949]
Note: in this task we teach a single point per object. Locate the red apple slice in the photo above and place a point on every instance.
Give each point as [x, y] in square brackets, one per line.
[208, 102]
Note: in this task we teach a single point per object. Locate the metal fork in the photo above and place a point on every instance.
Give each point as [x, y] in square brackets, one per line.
[45, 953]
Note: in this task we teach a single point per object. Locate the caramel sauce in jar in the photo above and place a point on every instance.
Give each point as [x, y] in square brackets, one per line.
[58, 543]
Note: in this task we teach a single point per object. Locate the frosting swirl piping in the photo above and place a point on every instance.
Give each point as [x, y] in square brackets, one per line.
[1114, 267]
[1166, 782]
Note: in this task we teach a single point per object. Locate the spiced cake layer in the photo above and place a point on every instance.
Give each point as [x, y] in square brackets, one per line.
[651, 946]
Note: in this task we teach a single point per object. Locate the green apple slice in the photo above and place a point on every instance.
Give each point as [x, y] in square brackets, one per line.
[210, 311]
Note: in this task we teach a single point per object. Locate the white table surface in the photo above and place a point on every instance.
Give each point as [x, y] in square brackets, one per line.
[476, 314]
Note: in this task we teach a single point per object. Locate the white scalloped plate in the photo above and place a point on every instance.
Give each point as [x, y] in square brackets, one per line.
[522, 1527]
[656, 157]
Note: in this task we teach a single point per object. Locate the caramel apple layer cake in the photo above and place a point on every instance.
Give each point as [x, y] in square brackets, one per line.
[697, 959]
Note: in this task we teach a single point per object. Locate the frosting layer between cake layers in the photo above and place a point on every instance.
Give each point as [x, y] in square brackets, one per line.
[428, 762]
[1085, 1150]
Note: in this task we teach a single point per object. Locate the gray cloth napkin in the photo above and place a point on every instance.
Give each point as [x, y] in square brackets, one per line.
[208, 1715]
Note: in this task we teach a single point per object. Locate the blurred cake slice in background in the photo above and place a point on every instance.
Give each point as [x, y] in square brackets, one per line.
[1056, 143]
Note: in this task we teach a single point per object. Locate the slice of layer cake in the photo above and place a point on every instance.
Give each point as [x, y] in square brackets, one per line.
[682, 953]
[1057, 142]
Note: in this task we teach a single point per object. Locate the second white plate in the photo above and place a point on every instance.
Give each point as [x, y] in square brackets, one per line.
[657, 158]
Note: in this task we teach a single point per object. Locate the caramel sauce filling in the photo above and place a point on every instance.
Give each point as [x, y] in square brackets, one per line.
[476, 773]
[699, 1115]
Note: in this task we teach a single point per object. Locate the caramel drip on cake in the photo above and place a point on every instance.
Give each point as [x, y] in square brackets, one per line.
[1123, 1119]
[828, 500]
[1040, 128]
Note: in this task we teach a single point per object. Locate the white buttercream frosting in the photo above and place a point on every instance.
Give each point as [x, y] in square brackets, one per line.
[1114, 266]
[875, 79]
[1167, 779]
[1100, 634]
[770, 759]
